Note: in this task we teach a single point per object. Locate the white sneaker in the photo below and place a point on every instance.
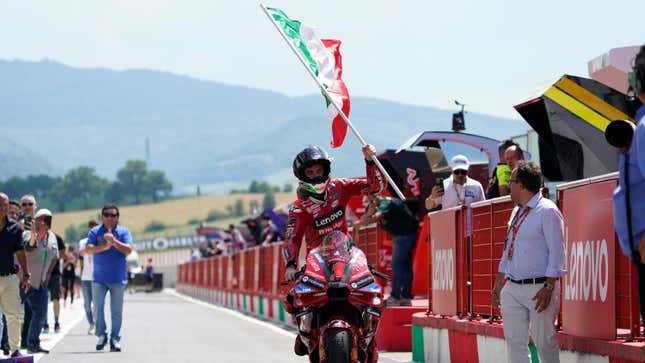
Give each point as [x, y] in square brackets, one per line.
[392, 301]
[91, 330]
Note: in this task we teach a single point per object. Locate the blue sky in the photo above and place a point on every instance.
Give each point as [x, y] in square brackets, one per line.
[488, 54]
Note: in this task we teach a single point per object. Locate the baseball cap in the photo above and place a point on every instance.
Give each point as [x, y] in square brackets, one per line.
[459, 162]
[43, 212]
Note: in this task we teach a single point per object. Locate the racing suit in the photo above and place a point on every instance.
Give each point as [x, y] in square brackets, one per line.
[313, 219]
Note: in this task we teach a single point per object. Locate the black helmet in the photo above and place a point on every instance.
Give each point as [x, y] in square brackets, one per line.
[311, 155]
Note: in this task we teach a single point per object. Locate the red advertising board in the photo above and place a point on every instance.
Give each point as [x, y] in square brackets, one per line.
[589, 288]
[443, 240]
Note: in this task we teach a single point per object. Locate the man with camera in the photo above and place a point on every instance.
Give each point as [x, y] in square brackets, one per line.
[457, 190]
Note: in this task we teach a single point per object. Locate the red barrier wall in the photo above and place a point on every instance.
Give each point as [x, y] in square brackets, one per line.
[448, 262]
[490, 219]
[600, 278]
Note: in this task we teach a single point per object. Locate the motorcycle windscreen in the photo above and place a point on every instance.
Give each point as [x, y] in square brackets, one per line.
[335, 247]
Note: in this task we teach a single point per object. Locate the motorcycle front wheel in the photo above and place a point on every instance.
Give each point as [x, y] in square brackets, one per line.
[338, 345]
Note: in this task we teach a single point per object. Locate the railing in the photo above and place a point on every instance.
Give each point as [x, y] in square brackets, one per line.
[601, 281]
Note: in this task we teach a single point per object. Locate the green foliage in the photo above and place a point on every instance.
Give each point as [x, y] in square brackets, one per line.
[193, 222]
[268, 201]
[287, 188]
[154, 226]
[74, 233]
[82, 188]
[263, 187]
[215, 215]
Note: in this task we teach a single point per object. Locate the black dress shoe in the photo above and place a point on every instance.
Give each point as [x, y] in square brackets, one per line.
[101, 343]
[115, 346]
[36, 350]
[16, 354]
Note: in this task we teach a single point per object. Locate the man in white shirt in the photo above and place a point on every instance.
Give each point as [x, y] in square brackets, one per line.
[87, 266]
[527, 283]
[457, 190]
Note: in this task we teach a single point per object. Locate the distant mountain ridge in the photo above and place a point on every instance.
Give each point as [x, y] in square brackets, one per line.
[57, 117]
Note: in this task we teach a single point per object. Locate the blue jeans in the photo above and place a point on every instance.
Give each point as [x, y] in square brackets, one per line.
[37, 300]
[403, 246]
[86, 288]
[99, 291]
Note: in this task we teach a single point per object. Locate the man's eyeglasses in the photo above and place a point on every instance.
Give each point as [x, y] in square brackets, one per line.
[24, 204]
[460, 172]
[110, 215]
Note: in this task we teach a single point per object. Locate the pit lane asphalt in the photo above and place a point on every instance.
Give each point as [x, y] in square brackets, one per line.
[166, 327]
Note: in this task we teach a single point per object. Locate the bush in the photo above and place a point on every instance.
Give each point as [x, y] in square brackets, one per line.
[215, 214]
[154, 226]
[193, 222]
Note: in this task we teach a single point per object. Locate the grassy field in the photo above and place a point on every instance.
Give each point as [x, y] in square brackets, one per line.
[173, 213]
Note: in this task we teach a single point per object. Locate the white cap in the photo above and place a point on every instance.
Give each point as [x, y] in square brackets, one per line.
[43, 212]
[459, 162]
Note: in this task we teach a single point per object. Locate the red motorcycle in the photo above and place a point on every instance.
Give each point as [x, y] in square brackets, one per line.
[337, 302]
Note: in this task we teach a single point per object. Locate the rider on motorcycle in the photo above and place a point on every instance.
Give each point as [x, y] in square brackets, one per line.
[320, 207]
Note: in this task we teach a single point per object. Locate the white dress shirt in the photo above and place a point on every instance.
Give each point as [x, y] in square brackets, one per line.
[539, 248]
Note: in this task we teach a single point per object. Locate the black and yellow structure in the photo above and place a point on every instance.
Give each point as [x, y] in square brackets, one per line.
[570, 117]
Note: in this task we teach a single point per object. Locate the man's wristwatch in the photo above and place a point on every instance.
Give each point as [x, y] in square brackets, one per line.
[549, 286]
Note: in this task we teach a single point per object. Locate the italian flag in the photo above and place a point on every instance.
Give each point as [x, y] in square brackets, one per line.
[324, 59]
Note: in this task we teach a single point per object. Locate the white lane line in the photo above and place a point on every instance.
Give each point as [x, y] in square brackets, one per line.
[67, 327]
[234, 313]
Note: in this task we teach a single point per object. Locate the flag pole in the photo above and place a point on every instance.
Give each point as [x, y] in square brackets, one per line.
[333, 102]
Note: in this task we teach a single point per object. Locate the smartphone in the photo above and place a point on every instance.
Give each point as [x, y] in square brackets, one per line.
[27, 223]
[439, 182]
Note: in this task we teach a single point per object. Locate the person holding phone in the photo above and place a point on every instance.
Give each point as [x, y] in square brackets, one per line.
[457, 190]
[28, 203]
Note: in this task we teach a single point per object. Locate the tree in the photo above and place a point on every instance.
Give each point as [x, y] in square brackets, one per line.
[288, 188]
[58, 193]
[114, 193]
[229, 210]
[239, 207]
[132, 178]
[154, 226]
[254, 187]
[269, 201]
[83, 183]
[156, 184]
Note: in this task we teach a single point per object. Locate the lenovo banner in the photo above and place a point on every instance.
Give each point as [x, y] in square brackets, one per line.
[443, 240]
[589, 288]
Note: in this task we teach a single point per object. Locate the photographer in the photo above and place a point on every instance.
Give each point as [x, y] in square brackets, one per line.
[457, 190]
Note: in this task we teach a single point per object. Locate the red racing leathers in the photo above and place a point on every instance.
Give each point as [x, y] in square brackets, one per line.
[313, 219]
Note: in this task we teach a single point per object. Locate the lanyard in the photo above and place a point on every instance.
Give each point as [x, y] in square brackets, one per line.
[459, 200]
[515, 227]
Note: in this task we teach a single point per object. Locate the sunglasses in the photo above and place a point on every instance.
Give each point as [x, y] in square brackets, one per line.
[110, 215]
[460, 172]
[27, 204]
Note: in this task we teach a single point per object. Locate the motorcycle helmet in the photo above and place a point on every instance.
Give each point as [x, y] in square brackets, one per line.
[308, 157]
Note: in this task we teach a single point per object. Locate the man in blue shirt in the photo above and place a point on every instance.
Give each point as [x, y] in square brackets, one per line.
[632, 180]
[109, 243]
